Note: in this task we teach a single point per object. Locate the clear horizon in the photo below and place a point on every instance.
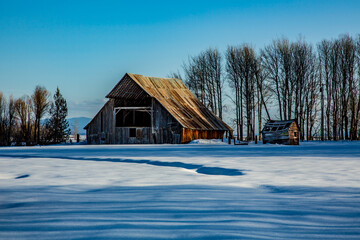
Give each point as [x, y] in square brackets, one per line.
[85, 47]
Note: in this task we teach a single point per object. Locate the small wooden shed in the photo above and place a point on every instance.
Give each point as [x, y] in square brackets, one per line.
[282, 132]
[145, 109]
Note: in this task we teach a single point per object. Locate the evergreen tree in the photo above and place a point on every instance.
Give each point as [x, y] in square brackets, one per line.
[58, 126]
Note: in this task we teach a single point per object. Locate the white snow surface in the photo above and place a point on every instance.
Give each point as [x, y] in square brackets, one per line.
[204, 190]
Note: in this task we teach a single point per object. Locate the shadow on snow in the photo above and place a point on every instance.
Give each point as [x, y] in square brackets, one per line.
[190, 166]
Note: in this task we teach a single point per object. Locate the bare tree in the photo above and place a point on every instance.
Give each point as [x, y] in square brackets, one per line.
[203, 75]
[287, 84]
[304, 83]
[320, 88]
[324, 51]
[263, 96]
[233, 75]
[311, 98]
[176, 75]
[338, 68]
[348, 83]
[248, 69]
[353, 65]
[335, 88]
[215, 80]
[2, 119]
[23, 110]
[242, 69]
[40, 106]
[10, 119]
[195, 76]
[355, 98]
[271, 61]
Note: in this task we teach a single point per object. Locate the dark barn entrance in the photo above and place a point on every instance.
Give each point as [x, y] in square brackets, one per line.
[133, 117]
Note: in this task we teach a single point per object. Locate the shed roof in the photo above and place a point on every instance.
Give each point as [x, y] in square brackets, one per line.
[176, 98]
[279, 123]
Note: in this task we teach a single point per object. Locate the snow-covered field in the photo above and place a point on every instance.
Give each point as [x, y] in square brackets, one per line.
[205, 190]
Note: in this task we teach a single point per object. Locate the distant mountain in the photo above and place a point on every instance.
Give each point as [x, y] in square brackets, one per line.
[81, 122]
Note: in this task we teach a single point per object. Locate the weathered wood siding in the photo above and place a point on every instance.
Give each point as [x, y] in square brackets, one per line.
[293, 134]
[288, 136]
[189, 134]
[100, 129]
[142, 135]
[166, 128]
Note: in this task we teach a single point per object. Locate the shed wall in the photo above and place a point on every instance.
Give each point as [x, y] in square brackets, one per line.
[293, 140]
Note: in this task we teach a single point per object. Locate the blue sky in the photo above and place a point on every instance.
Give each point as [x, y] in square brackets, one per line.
[85, 47]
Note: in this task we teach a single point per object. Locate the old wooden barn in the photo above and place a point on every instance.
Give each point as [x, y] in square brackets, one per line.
[144, 109]
[282, 132]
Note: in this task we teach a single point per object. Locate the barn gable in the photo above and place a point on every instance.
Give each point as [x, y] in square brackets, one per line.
[175, 97]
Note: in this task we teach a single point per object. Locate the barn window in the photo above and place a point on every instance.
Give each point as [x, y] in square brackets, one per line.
[295, 134]
[132, 132]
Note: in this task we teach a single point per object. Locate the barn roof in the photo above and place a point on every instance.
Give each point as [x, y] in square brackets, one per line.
[176, 98]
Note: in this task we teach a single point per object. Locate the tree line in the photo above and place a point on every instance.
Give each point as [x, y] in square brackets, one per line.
[21, 119]
[318, 86]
